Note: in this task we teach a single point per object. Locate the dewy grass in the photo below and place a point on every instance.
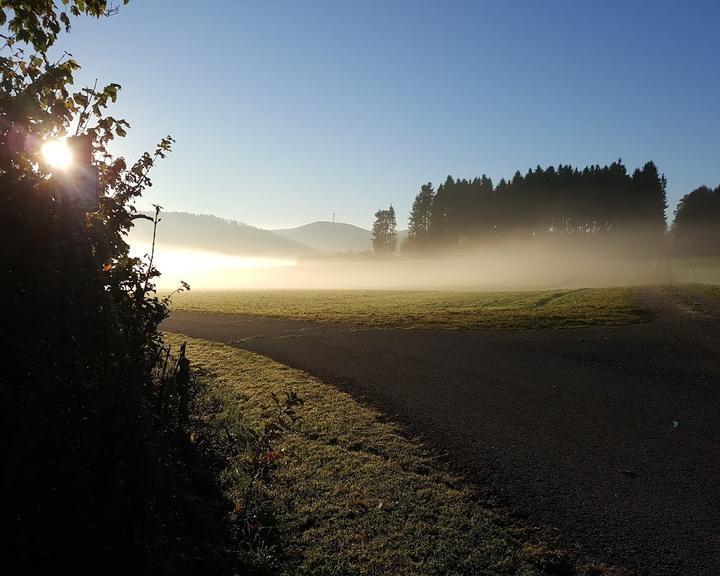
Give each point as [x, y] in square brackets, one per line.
[352, 495]
[428, 309]
[708, 290]
[704, 271]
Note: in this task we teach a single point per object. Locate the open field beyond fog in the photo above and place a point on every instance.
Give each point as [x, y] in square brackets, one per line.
[701, 271]
[428, 309]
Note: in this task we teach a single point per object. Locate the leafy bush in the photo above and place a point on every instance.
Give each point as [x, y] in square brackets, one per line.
[85, 456]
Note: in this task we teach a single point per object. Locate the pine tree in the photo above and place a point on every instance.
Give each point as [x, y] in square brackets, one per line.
[420, 216]
[384, 232]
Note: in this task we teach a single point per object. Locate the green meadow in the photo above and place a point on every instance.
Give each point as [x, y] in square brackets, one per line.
[428, 309]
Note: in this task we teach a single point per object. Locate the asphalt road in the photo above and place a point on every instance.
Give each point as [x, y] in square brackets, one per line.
[609, 435]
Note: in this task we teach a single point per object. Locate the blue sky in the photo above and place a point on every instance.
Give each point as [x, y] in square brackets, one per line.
[287, 111]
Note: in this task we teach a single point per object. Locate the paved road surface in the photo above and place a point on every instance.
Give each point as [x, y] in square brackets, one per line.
[611, 435]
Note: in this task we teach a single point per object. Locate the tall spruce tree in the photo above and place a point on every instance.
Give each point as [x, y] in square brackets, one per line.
[420, 215]
[384, 232]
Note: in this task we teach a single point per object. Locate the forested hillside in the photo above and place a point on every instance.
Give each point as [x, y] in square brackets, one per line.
[213, 234]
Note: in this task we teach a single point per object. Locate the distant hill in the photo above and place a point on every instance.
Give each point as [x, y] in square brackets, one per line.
[329, 237]
[210, 233]
[213, 234]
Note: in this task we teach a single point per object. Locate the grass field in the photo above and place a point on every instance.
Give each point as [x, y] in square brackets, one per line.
[429, 309]
[701, 271]
[352, 495]
[701, 275]
[709, 290]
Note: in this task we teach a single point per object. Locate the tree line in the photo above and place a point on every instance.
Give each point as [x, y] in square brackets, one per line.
[596, 205]
[563, 201]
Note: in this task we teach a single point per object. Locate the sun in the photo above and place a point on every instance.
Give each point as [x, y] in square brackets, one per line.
[57, 153]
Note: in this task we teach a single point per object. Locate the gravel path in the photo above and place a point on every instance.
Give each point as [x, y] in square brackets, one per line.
[611, 435]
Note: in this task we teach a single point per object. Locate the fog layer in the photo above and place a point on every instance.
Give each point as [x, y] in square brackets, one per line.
[506, 267]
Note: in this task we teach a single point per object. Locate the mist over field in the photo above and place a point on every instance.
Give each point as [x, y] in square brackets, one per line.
[507, 267]
[551, 228]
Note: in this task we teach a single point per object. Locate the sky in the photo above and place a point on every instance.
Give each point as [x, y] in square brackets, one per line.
[288, 111]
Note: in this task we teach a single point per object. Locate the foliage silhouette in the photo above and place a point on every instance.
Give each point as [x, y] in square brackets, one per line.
[420, 218]
[97, 479]
[696, 228]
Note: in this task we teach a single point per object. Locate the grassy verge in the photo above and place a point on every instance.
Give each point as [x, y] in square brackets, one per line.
[428, 309]
[351, 495]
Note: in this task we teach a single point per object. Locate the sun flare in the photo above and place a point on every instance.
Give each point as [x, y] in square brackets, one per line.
[57, 153]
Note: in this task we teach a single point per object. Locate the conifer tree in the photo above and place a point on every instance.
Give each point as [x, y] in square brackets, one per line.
[420, 215]
[384, 232]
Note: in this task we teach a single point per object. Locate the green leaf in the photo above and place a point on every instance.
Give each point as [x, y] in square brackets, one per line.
[80, 99]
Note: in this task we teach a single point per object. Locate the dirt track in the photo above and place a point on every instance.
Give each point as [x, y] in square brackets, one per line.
[610, 435]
